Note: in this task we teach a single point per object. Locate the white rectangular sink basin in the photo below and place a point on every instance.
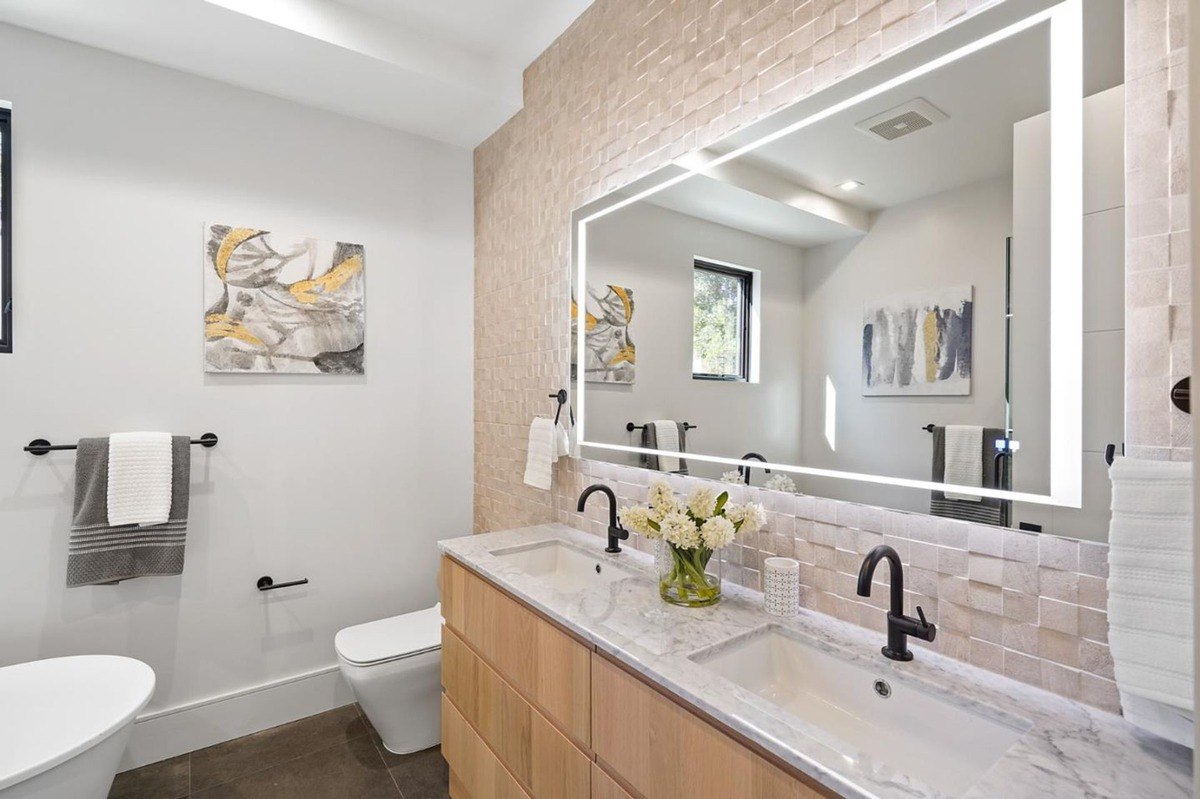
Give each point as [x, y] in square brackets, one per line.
[563, 567]
[910, 731]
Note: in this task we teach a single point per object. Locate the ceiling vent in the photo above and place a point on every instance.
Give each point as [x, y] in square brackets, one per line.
[902, 120]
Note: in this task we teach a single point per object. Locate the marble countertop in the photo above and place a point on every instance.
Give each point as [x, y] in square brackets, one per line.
[1069, 750]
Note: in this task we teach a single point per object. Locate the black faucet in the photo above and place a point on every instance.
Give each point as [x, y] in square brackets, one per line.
[900, 627]
[744, 470]
[615, 531]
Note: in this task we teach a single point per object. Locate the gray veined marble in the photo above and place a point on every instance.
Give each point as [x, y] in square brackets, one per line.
[1066, 750]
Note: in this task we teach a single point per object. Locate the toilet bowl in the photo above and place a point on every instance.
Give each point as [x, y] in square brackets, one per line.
[64, 724]
[394, 668]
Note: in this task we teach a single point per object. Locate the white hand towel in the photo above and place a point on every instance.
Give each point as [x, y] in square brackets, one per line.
[562, 437]
[139, 478]
[541, 455]
[666, 432]
[964, 459]
[1150, 590]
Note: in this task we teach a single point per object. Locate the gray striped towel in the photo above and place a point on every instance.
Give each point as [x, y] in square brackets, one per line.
[986, 510]
[101, 554]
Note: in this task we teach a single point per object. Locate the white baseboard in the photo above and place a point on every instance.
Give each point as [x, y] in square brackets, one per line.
[166, 733]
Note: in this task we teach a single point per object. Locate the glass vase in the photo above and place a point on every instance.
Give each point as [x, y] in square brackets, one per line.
[688, 577]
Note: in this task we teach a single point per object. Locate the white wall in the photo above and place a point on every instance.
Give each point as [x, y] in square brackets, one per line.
[1103, 311]
[348, 481]
[652, 250]
[952, 238]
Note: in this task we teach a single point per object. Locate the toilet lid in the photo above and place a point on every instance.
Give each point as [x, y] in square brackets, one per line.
[51, 710]
[392, 638]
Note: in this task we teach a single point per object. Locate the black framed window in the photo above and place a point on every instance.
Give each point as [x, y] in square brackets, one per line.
[5, 230]
[721, 321]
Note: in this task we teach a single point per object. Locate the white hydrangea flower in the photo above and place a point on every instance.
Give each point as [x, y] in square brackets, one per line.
[702, 502]
[662, 499]
[637, 519]
[751, 516]
[781, 482]
[754, 517]
[679, 530]
[731, 477]
[717, 532]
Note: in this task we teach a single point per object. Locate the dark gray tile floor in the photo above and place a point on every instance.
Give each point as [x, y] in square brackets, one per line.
[335, 755]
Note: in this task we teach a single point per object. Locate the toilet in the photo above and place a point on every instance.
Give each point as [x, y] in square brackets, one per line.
[394, 668]
[64, 724]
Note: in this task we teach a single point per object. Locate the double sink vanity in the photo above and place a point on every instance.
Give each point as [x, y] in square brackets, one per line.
[566, 676]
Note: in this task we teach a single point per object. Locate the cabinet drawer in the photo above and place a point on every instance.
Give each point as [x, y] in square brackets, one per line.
[545, 664]
[604, 787]
[477, 772]
[548, 765]
[664, 751]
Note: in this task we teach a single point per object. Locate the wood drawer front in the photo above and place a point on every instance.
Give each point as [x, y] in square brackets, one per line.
[477, 772]
[545, 664]
[664, 751]
[542, 758]
[604, 787]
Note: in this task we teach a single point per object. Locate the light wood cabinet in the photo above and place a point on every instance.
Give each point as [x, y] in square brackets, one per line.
[543, 663]
[665, 751]
[605, 787]
[547, 764]
[532, 712]
[478, 773]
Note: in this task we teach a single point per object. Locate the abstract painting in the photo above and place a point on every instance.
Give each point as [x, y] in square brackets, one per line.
[918, 344]
[281, 303]
[609, 353]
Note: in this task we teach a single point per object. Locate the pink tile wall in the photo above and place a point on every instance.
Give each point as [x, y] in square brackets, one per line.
[1158, 329]
[634, 83]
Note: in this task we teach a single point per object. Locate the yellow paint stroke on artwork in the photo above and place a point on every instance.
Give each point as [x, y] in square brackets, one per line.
[233, 239]
[930, 336]
[624, 295]
[221, 326]
[625, 354]
[329, 282]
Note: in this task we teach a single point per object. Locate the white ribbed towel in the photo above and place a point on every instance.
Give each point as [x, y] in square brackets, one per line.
[1150, 582]
[964, 459]
[541, 455]
[139, 478]
[666, 432]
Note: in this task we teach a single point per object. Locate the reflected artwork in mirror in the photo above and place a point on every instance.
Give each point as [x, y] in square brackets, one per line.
[879, 292]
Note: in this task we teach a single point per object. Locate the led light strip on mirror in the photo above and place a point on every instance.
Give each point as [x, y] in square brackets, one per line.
[1065, 22]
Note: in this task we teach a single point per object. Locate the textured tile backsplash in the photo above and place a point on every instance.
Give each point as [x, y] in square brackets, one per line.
[634, 83]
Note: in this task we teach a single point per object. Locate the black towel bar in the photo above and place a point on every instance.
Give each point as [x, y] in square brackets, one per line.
[630, 426]
[561, 396]
[40, 446]
[265, 583]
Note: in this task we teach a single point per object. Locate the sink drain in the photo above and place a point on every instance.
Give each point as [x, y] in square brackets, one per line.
[882, 689]
[597, 568]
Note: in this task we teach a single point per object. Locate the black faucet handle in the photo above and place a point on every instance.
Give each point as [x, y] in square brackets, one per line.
[921, 615]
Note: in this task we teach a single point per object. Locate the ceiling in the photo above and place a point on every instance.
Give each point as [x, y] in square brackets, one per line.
[451, 71]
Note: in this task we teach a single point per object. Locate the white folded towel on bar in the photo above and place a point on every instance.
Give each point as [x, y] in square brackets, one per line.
[667, 433]
[541, 454]
[1150, 593]
[964, 459]
[139, 478]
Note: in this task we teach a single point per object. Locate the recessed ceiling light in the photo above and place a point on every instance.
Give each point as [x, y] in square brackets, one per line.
[849, 185]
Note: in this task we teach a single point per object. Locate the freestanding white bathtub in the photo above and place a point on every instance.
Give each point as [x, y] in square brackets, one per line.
[65, 722]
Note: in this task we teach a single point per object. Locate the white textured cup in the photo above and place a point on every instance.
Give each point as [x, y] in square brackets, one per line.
[781, 586]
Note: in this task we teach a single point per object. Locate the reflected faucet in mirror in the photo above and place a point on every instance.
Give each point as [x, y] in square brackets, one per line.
[744, 469]
[615, 531]
[899, 626]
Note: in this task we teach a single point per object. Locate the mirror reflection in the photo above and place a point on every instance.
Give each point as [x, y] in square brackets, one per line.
[871, 294]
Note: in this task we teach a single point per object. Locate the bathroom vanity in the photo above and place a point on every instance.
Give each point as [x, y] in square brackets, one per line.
[566, 676]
